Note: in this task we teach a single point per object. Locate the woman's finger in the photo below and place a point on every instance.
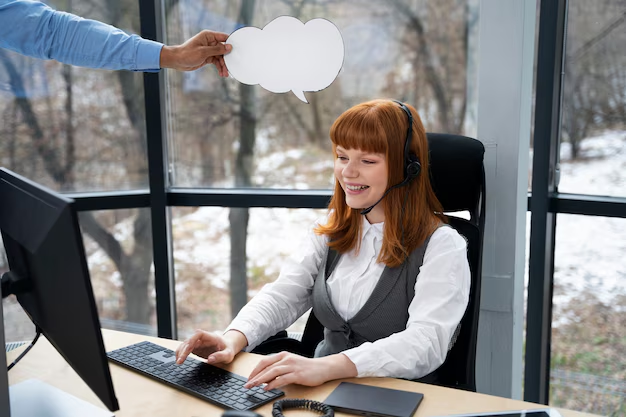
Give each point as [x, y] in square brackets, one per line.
[281, 381]
[185, 351]
[265, 362]
[179, 348]
[221, 356]
[268, 375]
[186, 347]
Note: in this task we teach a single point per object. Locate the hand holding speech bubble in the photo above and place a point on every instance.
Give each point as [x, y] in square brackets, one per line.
[287, 55]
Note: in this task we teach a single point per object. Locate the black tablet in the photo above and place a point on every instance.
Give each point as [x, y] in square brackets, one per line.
[373, 401]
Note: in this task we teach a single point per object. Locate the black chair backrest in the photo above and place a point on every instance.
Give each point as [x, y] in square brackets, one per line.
[458, 179]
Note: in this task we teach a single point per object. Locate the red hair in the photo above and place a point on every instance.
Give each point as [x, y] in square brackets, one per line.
[379, 126]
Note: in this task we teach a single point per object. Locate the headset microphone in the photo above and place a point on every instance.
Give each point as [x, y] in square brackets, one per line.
[412, 167]
[367, 210]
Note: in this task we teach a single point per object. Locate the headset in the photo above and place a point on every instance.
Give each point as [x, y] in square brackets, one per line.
[412, 166]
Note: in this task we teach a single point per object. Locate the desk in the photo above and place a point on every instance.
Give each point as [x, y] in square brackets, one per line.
[141, 396]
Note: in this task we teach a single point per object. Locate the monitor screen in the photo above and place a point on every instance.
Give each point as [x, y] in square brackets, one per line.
[46, 255]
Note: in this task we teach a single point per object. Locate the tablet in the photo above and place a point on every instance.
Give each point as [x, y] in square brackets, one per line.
[367, 400]
[539, 412]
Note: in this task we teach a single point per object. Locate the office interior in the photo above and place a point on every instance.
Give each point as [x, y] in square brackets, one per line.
[193, 189]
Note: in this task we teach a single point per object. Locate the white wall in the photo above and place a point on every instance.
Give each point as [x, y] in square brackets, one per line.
[505, 75]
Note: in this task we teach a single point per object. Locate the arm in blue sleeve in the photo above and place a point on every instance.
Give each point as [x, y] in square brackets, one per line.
[32, 28]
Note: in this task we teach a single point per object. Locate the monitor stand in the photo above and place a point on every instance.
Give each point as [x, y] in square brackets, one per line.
[35, 398]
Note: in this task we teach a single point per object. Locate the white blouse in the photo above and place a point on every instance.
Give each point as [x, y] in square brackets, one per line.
[441, 296]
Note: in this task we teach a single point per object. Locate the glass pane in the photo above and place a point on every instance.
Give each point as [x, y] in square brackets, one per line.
[593, 142]
[71, 128]
[202, 255]
[17, 325]
[589, 313]
[226, 134]
[118, 245]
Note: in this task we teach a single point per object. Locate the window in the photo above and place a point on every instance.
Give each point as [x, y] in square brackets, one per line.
[118, 246]
[70, 128]
[593, 141]
[224, 134]
[589, 312]
[208, 290]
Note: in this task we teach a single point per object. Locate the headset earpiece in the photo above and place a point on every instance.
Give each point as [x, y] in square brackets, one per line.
[412, 165]
[413, 168]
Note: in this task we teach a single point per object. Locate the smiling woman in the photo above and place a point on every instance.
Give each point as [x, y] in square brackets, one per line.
[363, 178]
[375, 145]
[388, 288]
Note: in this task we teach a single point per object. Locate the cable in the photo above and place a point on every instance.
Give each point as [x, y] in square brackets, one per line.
[25, 350]
[277, 410]
[406, 197]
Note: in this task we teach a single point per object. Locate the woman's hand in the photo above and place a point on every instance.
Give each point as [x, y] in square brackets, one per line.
[213, 347]
[287, 368]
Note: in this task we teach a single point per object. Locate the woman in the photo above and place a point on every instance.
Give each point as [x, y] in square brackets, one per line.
[391, 300]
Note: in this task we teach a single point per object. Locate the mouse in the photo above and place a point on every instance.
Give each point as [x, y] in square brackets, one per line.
[240, 413]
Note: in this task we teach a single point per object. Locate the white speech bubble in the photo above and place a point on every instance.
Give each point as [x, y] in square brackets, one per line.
[287, 55]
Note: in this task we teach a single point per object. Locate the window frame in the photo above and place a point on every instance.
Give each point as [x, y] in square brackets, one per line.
[544, 202]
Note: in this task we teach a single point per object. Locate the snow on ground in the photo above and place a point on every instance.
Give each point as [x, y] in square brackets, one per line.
[273, 234]
[600, 168]
[590, 250]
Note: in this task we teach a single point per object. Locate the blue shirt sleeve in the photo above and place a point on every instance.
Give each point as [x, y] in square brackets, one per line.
[31, 28]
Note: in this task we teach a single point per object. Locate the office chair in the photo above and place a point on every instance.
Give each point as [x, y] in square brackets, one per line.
[458, 180]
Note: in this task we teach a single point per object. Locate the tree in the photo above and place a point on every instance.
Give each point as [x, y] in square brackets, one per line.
[56, 146]
[239, 216]
[594, 96]
[442, 56]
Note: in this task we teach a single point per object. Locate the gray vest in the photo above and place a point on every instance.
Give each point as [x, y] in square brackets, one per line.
[384, 313]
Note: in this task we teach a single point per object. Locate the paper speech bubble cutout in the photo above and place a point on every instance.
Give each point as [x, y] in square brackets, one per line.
[287, 55]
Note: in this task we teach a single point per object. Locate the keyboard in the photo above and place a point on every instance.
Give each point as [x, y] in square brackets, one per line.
[194, 377]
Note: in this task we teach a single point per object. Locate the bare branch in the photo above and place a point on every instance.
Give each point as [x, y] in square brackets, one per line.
[41, 142]
[603, 34]
[103, 238]
[426, 58]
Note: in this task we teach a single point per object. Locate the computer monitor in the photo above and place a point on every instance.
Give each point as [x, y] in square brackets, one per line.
[49, 276]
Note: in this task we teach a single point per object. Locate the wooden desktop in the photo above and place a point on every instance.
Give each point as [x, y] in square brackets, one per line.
[142, 396]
